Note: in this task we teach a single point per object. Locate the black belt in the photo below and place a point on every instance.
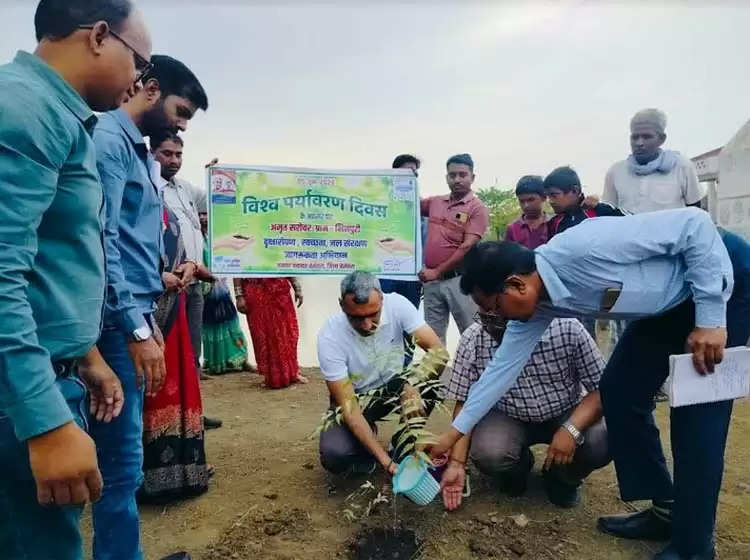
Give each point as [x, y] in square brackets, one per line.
[65, 368]
[450, 274]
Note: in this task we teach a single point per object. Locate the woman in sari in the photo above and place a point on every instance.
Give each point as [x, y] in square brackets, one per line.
[174, 461]
[272, 320]
[224, 344]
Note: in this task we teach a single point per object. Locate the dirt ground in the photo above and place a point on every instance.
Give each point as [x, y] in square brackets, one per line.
[270, 498]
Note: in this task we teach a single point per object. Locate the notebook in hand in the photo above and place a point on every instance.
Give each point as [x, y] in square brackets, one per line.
[730, 380]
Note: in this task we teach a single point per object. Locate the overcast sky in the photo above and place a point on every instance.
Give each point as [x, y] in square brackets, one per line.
[522, 87]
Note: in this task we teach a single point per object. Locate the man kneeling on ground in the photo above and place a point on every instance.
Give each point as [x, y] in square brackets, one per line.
[361, 352]
[546, 405]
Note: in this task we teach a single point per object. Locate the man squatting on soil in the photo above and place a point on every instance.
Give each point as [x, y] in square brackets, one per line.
[684, 284]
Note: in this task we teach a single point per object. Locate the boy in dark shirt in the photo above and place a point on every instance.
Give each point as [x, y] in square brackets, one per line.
[563, 188]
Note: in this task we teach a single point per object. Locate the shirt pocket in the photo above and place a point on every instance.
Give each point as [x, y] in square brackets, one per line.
[664, 191]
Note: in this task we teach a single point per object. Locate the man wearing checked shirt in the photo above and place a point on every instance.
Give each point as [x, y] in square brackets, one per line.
[670, 273]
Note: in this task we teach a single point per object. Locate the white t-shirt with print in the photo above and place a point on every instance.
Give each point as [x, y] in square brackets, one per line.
[368, 361]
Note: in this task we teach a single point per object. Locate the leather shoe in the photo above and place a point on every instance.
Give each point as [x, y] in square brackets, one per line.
[644, 525]
[670, 553]
[560, 493]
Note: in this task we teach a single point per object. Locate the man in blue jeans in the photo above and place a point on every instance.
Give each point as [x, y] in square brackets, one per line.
[130, 341]
[669, 271]
[52, 268]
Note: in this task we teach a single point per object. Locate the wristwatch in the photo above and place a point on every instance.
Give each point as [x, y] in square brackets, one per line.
[141, 334]
[575, 432]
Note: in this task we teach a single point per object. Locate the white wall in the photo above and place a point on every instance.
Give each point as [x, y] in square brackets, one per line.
[321, 300]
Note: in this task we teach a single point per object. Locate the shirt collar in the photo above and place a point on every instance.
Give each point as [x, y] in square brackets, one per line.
[69, 97]
[523, 221]
[127, 124]
[555, 288]
[465, 200]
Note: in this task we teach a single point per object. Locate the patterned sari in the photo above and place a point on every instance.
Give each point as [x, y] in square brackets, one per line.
[174, 461]
[224, 344]
[272, 320]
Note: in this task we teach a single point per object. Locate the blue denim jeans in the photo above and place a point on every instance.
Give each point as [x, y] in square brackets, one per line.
[28, 530]
[119, 446]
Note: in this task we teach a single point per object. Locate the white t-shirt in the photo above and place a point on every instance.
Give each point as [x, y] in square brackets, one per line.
[369, 361]
[658, 191]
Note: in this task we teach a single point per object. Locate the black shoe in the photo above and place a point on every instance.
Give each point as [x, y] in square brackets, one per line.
[514, 483]
[670, 553]
[560, 493]
[177, 556]
[644, 525]
[212, 423]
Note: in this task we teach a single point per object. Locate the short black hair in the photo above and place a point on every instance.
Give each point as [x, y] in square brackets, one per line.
[530, 184]
[162, 136]
[463, 159]
[403, 159]
[488, 265]
[563, 178]
[57, 19]
[176, 79]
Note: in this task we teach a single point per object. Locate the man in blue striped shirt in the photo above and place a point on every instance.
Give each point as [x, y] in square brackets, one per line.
[671, 273]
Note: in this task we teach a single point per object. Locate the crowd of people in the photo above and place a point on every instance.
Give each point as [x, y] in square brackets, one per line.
[527, 369]
[112, 316]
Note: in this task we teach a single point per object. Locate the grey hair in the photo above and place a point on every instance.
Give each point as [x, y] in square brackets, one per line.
[359, 284]
[655, 117]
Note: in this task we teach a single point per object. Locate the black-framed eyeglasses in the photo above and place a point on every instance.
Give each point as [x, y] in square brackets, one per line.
[142, 66]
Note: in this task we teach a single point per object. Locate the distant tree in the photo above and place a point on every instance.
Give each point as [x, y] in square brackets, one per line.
[503, 207]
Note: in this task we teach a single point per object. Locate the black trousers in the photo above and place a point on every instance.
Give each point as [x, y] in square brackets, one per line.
[637, 369]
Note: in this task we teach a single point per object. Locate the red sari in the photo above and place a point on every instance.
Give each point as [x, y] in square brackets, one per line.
[174, 465]
[272, 320]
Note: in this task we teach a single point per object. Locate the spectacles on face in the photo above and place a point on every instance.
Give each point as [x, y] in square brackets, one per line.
[142, 66]
[491, 321]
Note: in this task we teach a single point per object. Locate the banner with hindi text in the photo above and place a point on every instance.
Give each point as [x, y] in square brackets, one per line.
[279, 221]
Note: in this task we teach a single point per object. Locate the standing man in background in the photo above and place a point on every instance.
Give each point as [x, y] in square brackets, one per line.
[410, 289]
[130, 341]
[184, 198]
[652, 178]
[52, 279]
[457, 222]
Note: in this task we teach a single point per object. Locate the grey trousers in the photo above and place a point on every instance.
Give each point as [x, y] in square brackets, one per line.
[194, 310]
[499, 442]
[443, 298]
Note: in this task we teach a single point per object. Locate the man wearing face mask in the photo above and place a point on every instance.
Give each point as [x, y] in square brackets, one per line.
[361, 348]
[130, 341]
[546, 405]
[52, 275]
